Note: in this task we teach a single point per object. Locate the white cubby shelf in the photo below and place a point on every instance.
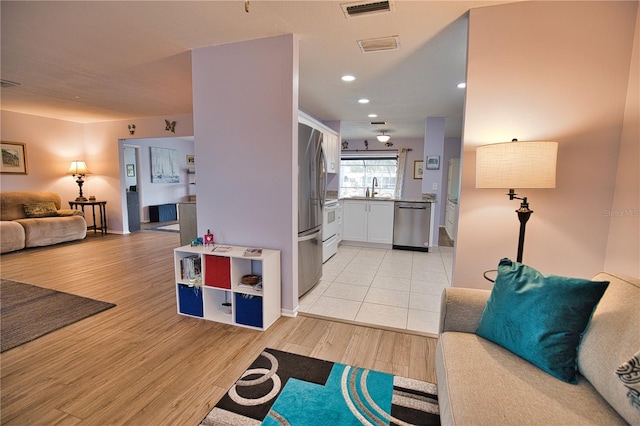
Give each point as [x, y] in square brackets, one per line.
[211, 289]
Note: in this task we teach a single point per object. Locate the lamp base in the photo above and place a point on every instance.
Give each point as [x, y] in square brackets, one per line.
[81, 199]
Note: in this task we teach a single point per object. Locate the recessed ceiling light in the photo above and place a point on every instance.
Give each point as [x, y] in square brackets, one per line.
[461, 85]
[348, 78]
[363, 101]
[372, 115]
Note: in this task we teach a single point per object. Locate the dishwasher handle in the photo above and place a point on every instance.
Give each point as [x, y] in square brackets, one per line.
[412, 208]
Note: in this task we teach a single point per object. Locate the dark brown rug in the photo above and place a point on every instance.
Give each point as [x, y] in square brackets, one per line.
[28, 312]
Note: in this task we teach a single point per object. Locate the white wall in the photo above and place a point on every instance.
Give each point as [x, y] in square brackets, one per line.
[623, 251]
[51, 145]
[152, 194]
[545, 71]
[245, 103]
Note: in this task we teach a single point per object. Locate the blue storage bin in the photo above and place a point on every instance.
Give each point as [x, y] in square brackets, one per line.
[248, 310]
[190, 301]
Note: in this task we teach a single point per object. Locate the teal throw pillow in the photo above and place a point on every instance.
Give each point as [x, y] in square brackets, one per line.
[540, 318]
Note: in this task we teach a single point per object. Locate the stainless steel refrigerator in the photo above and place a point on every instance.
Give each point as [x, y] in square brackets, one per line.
[311, 195]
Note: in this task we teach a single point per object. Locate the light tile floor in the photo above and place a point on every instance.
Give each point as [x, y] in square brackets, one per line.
[389, 288]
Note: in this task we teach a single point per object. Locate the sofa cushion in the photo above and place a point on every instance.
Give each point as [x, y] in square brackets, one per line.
[481, 383]
[44, 209]
[52, 230]
[11, 236]
[11, 202]
[540, 318]
[611, 339]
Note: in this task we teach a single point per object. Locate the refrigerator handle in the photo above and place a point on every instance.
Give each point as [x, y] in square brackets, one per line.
[309, 237]
[323, 175]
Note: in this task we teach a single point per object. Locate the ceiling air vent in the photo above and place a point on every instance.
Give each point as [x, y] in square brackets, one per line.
[376, 123]
[352, 10]
[379, 44]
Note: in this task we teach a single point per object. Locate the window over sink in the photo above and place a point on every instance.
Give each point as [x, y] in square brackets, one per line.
[357, 173]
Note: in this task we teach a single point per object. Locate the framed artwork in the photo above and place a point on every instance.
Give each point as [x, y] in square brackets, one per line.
[14, 158]
[164, 165]
[131, 170]
[418, 167]
[433, 162]
[191, 159]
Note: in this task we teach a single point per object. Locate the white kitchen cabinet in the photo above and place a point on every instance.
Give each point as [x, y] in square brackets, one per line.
[330, 141]
[331, 147]
[368, 221]
[450, 218]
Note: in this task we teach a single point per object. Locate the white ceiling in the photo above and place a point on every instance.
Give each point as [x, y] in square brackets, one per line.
[89, 61]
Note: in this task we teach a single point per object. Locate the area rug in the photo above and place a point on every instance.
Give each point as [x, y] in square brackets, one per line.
[281, 388]
[175, 227]
[28, 312]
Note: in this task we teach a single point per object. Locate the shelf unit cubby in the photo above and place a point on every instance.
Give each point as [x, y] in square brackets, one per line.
[217, 294]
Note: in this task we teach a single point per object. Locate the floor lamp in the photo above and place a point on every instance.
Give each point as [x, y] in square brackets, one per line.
[517, 165]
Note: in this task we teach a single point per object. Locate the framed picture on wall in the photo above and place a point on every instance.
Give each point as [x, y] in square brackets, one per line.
[418, 169]
[433, 162]
[191, 159]
[131, 170]
[14, 158]
[164, 165]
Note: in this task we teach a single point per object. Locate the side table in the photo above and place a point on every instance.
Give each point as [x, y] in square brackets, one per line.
[102, 211]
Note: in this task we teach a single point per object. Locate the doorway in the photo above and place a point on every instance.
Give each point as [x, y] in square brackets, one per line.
[132, 188]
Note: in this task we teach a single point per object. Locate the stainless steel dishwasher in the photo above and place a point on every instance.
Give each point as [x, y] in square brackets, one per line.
[411, 225]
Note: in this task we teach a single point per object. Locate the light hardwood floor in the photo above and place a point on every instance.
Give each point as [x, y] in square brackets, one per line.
[141, 363]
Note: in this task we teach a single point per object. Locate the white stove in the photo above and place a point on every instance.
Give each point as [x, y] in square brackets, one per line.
[330, 227]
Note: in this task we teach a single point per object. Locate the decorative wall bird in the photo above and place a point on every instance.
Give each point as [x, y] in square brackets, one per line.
[345, 145]
[170, 126]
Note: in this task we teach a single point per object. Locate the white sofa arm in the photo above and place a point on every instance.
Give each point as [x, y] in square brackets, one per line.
[461, 309]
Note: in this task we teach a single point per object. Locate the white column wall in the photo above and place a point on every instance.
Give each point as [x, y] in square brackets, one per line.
[245, 102]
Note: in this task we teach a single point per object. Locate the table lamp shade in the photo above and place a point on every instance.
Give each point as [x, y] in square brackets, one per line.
[517, 165]
[78, 168]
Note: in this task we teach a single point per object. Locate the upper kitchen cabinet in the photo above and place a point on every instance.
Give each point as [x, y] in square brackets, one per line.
[331, 147]
[330, 141]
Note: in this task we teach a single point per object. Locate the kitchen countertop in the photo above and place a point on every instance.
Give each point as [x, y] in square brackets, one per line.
[406, 200]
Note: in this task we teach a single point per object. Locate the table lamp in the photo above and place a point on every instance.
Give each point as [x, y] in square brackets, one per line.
[79, 169]
[517, 165]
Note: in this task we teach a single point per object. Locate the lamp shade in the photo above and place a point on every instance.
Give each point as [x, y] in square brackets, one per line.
[517, 165]
[78, 168]
[383, 138]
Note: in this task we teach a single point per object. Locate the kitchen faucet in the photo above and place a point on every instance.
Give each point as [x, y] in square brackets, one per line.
[374, 183]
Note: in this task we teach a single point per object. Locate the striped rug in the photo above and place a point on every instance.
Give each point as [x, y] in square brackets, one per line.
[281, 388]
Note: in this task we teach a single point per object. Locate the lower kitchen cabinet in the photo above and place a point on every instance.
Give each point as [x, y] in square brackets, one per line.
[368, 221]
[209, 285]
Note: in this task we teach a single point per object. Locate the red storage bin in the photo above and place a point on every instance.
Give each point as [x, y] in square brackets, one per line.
[217, 271]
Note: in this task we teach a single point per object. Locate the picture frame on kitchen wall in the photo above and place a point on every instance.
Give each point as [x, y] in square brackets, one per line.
[14, 158]
[418, 169]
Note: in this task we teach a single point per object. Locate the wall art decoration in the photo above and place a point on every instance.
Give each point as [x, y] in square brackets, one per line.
[169, 126]
[14, 158]
[164, 165]
[191, 159]
[131, 170]
[418, 169]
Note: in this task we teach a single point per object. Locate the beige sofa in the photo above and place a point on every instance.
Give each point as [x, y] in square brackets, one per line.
[48, 222]
[481, 383]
